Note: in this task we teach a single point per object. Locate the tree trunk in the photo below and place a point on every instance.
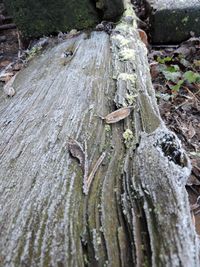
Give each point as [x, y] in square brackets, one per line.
[135, 212]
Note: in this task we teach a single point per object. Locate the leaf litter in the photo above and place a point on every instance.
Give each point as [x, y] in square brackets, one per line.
[175, 73]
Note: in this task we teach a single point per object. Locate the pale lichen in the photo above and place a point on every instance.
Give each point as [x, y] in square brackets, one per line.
[128, 77]
[128, 137]
[107, 128]
[121, 40]
[129, 13]
[185, 20]
[131, 99]
[127, 54]
[96, 242]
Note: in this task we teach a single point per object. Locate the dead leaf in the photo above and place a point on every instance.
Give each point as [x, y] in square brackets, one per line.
[154, 69]
[118, 115]
[76, 150]
[191, 131]
[4, 63]
[196, 171]
[196, 63]
[8, 87]
[143, 36]
[193, 218]
[5, 77]
[18, 66]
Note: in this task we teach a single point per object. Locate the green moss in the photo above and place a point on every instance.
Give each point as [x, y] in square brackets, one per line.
[111, 9]
[37, 18]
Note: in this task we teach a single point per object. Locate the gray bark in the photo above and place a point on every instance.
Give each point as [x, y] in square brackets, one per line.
[136, 212]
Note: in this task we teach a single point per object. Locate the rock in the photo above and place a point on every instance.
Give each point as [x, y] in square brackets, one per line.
[2, 38]
[36, 18]
[173, 21]
[111, 9]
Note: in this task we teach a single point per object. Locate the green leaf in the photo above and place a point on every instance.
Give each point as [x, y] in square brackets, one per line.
[185, 62]
[171, 76]
[191, 77]
[164, 60]
[177, 86]
[173, 68]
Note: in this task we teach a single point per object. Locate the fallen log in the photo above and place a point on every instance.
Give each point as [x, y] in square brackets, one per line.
[62, 202]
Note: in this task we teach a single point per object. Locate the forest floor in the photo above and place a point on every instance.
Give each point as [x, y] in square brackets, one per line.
[175, 71]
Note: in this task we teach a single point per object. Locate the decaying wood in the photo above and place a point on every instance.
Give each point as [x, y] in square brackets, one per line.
[136, 212]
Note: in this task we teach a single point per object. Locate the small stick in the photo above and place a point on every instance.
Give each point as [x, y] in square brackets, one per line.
[190, 92]
[19, 45]
[164, 46]
[8, 26]
[7, 17]
[85, 170]
[93, 172]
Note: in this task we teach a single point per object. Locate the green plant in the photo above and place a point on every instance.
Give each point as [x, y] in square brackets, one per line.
[175, 76]
[164, 60]
[191, 77]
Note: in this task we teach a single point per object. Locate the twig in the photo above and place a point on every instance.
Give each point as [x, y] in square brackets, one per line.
[190, 92]
[7, 18]
[85, 170]
[93, 172]
[19, 44]
[165, 46]
[7, 26]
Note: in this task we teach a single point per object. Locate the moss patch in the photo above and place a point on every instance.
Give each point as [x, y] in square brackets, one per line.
[37, 18]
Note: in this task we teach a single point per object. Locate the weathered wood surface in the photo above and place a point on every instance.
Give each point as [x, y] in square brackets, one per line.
[137, 211]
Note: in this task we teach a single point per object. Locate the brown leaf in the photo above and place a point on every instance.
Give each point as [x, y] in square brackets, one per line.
[5, 77]
[118, 115]
[154, 69]
[76, 150]
[4, 63]
[8, 87]
[191, 131]
[196, 171]
[193, 218]
[143, 36]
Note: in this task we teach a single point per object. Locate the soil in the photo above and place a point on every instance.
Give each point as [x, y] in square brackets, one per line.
[178, 94]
